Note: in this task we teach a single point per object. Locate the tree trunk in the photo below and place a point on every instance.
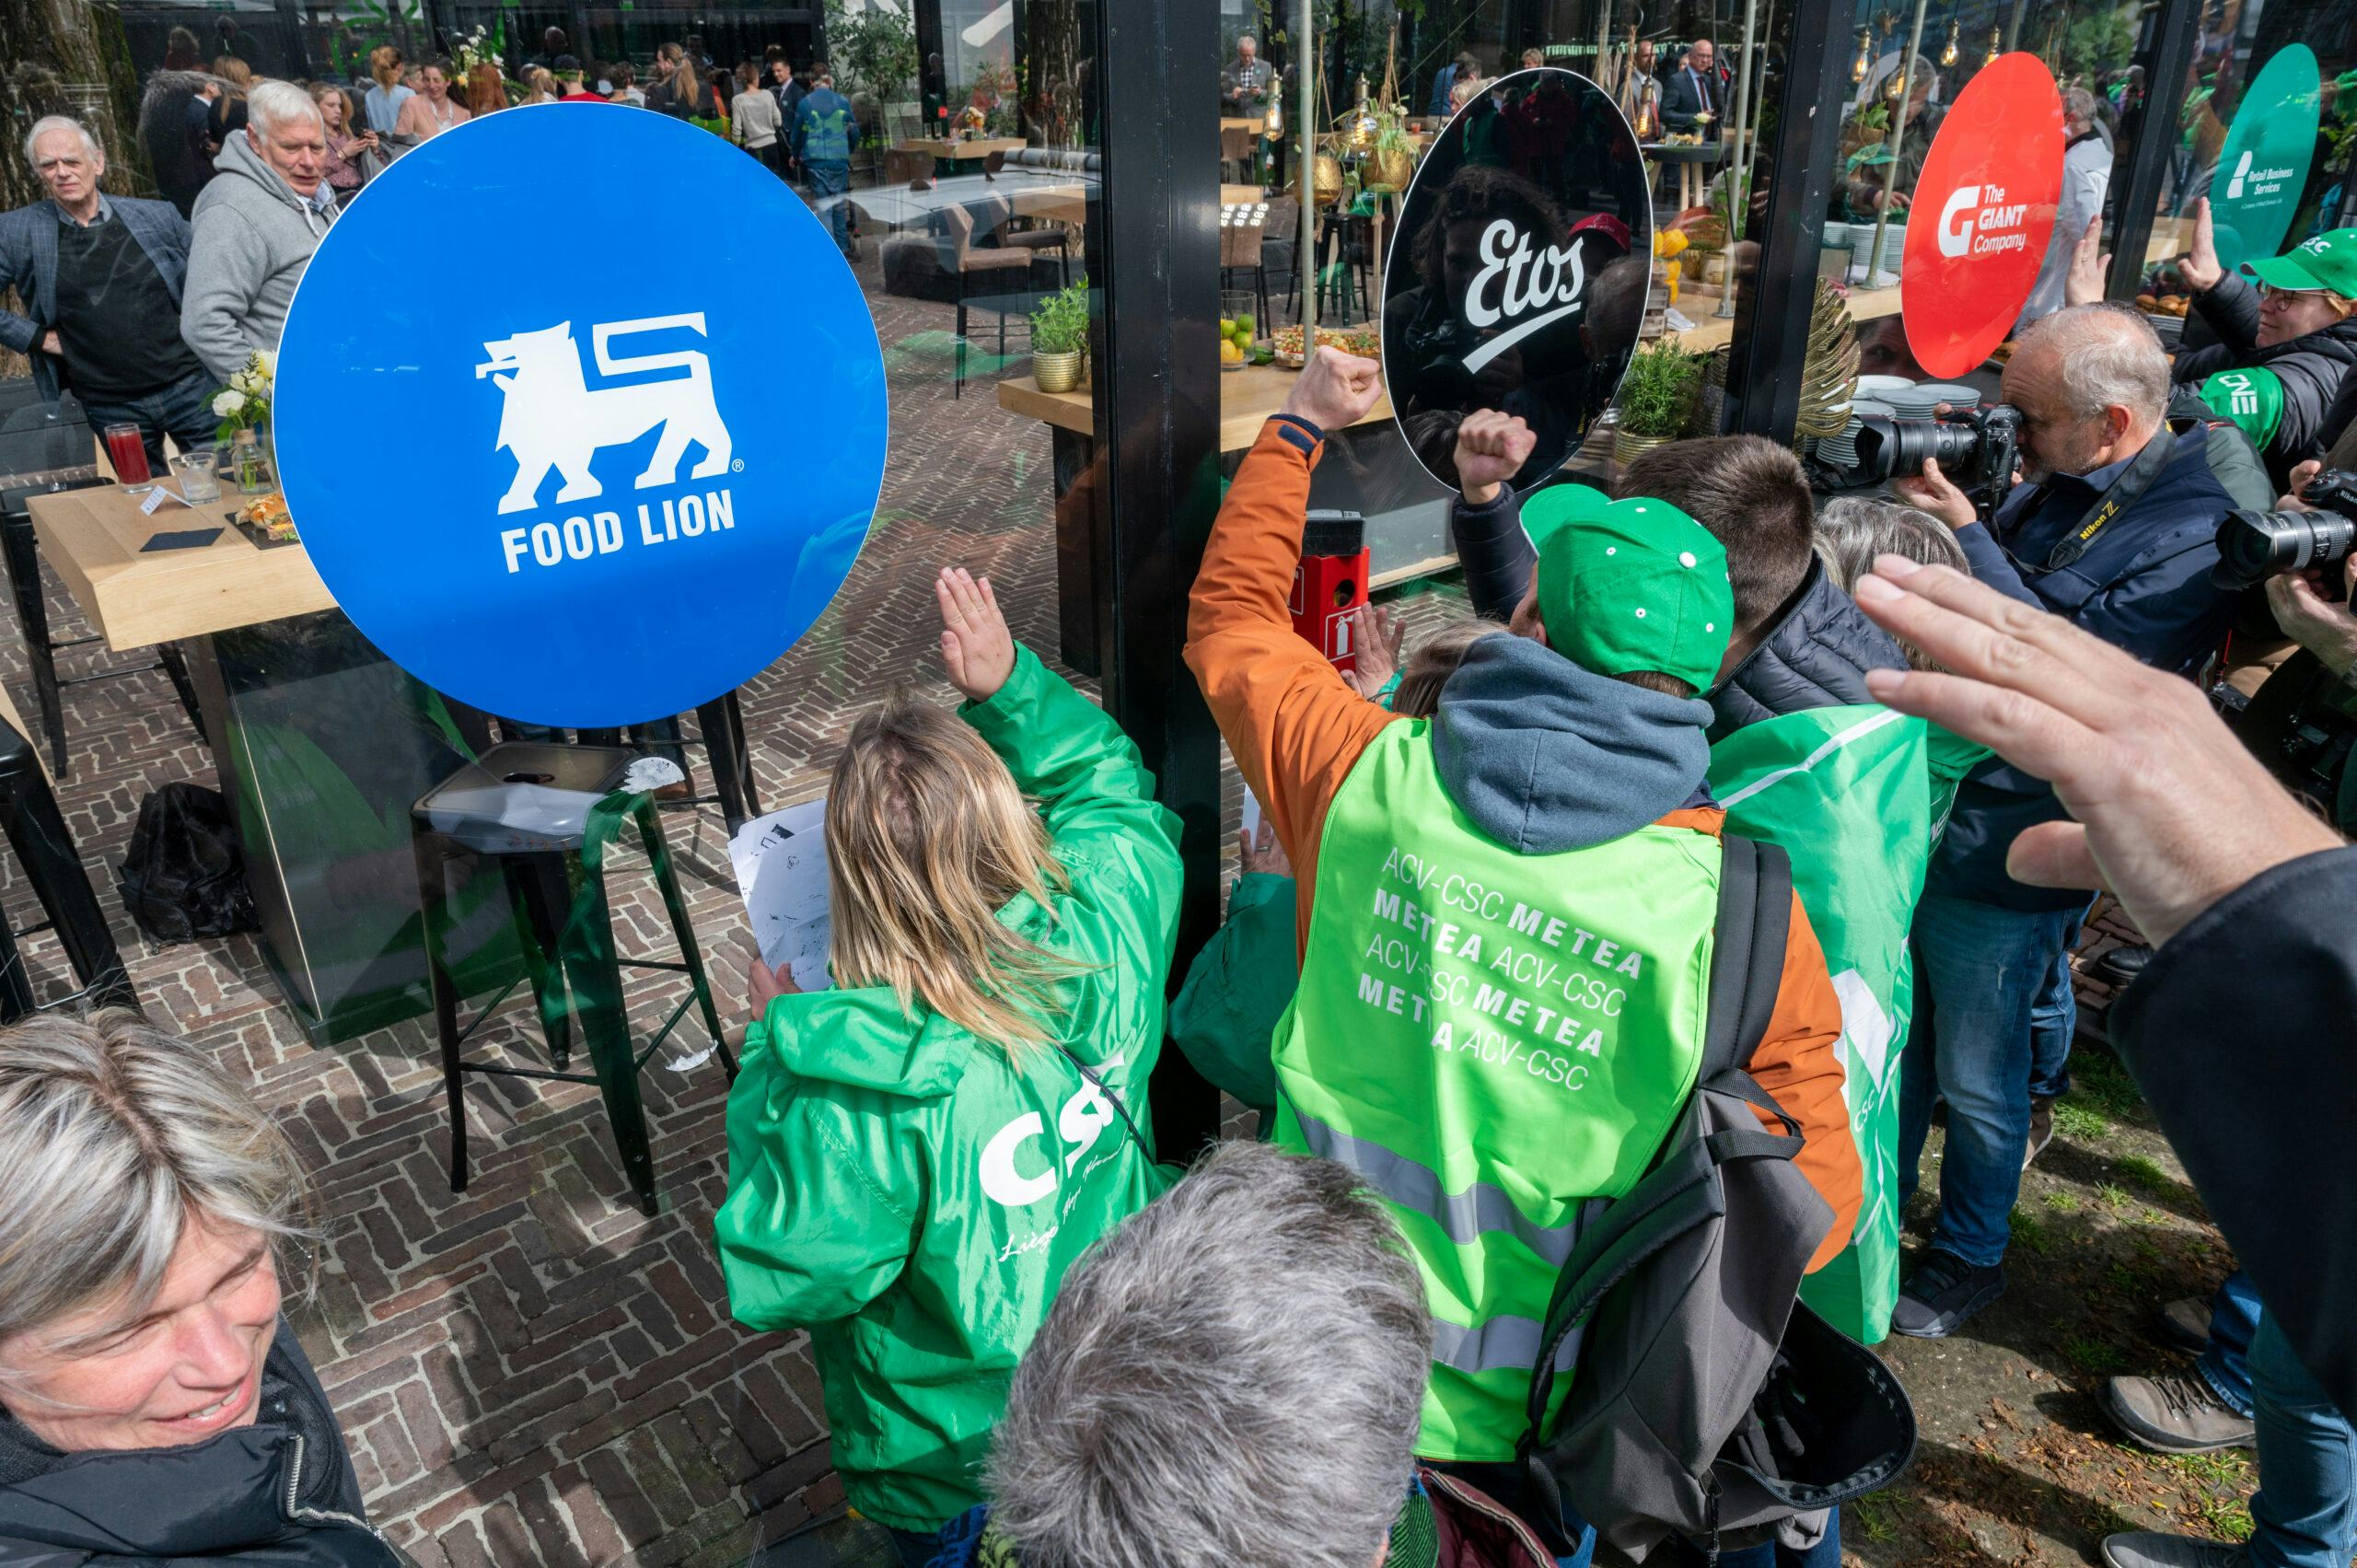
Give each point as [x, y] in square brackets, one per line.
[1051, 113]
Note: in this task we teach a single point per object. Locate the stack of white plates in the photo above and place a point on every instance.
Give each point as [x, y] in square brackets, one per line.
[1836, 234]
[1957, 396]
[2169, 328]
[1875, 386]
[1915, 403]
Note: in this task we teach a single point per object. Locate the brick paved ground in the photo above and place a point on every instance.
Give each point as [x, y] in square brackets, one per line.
[534, 1373]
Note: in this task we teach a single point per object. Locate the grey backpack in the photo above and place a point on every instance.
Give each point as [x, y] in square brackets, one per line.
[1705, 1398]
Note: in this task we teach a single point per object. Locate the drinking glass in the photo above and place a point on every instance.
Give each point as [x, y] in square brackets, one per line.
[199, 472]
[129, 455]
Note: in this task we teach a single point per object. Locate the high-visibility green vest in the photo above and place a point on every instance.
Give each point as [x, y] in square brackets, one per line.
[1847, 792]
[1489, 1040]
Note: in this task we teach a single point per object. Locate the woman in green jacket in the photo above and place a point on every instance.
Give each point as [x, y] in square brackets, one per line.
[917, 1155]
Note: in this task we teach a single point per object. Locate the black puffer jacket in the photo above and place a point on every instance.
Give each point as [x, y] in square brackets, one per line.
[1816, 657]
[2319, 371]
[280, 1493]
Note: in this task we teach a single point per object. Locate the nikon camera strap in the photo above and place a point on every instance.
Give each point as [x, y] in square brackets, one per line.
[2123, 493]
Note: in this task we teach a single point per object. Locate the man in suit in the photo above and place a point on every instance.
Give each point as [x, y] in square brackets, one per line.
[1695, 88]
[102, 276]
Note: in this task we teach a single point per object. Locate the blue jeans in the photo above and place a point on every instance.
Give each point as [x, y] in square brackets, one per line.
[1986, 969]
[2305, 1512]
[2225, 1363]
[182, 411]
[2051, 1024]
[833, 180]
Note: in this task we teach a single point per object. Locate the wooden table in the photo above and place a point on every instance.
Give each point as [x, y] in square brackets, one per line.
[320, 743]
[1714, 331]
[1232, 195]
[1246, 399]
[972, 147]
[94, 539]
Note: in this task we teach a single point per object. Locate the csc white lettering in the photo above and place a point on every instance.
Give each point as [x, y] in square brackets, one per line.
[1083, 1116]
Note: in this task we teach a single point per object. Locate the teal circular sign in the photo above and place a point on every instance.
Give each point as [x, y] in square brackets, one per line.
[573, 472]
[2264, 165]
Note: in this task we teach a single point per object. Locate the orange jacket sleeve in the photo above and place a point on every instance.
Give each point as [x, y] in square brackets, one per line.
[1797, 1062]
[1294, 724]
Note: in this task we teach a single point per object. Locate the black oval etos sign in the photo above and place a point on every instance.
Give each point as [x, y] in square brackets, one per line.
[1518, 270]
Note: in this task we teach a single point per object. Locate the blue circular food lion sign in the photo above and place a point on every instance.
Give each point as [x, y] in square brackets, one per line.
[559, 445]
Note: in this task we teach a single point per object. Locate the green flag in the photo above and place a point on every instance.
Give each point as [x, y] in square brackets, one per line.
[1846, 792]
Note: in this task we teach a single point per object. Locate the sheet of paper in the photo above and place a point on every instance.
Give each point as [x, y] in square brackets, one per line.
[781, 865]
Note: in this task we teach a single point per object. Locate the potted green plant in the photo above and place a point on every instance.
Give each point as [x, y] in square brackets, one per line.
[1657, 399]
[1059, 338]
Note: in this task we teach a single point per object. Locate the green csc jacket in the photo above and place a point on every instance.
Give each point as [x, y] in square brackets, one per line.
[912, 1194]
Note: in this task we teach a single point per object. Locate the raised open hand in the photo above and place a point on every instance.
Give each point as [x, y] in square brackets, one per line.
[2200, 267]
[975, 644]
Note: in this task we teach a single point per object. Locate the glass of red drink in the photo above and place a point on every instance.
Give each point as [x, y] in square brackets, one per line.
[129, 455]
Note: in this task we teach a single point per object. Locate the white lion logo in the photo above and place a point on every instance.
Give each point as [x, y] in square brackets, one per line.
[553, 419]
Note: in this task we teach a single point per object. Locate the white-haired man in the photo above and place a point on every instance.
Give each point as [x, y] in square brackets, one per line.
[2116, 530]
[257, 223]
[99, 278]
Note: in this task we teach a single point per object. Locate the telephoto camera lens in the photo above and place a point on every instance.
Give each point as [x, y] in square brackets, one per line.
[2255, 546]
[1895, 449]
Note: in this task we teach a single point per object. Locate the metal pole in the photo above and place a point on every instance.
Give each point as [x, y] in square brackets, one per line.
[1897, 140]
[1738, 167]
[1304, 121]
[1155, 252]
[1770, 339]
[1604, 47]
[2148, 140]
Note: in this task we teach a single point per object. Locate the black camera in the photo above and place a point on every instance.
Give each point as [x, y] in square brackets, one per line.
[1976, 448]
[2255, 546]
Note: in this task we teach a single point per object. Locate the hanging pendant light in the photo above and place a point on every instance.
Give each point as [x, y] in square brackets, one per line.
[1996, 47]
[1865, 60]
[1956, 38]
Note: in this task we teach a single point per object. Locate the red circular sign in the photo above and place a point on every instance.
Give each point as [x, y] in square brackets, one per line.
[1983, 212]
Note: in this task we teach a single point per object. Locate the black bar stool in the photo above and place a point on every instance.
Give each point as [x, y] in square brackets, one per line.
[723, 739]
[36, 830]
[546, 813]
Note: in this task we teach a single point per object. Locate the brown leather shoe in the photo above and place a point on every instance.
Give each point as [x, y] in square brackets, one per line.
[2175, 1413]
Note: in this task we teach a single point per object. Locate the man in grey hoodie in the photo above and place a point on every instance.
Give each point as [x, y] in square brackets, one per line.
[256, 225]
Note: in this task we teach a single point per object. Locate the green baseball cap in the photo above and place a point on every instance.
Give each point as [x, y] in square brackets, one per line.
[1630, 584]
[2330, 260]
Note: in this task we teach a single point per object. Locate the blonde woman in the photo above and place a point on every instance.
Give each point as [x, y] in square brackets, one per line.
[155, 1406]
[917, 1155]
[383, 104]
[433, 110]
[540, 86]
[345, 149]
